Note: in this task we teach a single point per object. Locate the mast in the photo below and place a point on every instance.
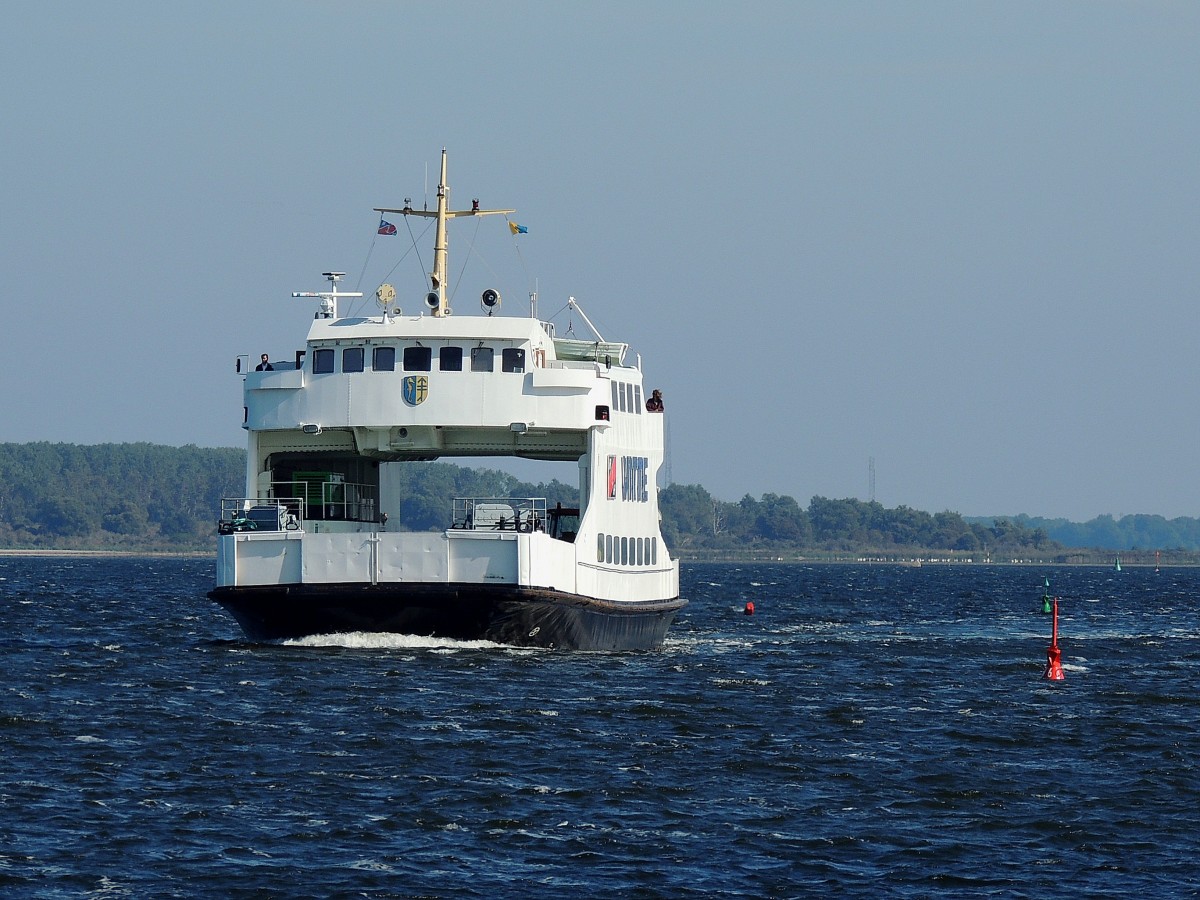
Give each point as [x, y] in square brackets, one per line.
[436, 299]
[438, 276]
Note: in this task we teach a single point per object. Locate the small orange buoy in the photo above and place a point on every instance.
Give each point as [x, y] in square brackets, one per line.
[749, 608]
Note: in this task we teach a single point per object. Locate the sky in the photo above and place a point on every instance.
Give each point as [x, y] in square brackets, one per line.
[954, 242]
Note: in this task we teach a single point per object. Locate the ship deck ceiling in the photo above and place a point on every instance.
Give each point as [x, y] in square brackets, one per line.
[562, 445]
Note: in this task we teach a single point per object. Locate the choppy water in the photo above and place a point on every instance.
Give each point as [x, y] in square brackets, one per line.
[870, 731]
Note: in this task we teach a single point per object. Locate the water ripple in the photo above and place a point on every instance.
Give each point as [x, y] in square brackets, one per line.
[869, 730]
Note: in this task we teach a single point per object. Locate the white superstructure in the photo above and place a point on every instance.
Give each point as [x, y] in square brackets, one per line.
[316, 541]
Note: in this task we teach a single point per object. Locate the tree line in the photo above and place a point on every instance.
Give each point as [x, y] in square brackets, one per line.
[1131, 532]
[151, 497]
[695, 522]
[114, 496]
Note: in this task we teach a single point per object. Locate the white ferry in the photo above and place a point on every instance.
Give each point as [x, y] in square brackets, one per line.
[316, 546]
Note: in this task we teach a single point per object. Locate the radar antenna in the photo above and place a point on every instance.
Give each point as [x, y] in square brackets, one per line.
[329, 299]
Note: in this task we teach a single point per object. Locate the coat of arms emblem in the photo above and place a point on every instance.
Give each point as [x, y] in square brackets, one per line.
[415, 389]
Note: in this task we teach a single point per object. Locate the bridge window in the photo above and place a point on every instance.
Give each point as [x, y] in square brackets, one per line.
[637, 399]
[512, 359]
[481, 359]
[352, 359]
[322, 361]
[418, 359]
[599, 548]
[383, 359]
[450, 359]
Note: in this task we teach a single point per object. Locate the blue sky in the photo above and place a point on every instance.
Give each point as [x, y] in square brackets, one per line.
[956, 238]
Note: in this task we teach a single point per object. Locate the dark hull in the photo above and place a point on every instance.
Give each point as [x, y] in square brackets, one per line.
[523, 617]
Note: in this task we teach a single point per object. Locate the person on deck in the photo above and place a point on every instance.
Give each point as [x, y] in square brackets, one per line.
[265, 365]
[655, 403]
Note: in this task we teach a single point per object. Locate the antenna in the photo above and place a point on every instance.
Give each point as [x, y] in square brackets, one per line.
[329, 298]
[436, 298]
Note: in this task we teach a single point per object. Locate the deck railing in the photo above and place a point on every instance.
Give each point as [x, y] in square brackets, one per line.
[330, 499]
[256, 514]
[499, 514]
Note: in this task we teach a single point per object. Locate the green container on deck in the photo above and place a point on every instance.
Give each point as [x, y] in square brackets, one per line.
[317, 489]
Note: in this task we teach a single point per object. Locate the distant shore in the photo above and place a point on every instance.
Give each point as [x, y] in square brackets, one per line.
[1100, 558]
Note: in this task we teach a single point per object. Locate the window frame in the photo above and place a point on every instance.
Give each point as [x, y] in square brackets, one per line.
[376, 352]
[417, 359]
[348, 354]
[323, 361]
[512, 359]
[478, 354]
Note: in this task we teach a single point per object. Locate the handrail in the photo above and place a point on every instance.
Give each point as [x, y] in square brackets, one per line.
[499, 514]
[259, 514]
[331, 498]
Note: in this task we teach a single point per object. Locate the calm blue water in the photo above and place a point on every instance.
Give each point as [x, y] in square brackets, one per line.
[870, 731]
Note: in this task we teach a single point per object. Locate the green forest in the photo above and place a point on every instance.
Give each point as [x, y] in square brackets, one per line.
[147, 497]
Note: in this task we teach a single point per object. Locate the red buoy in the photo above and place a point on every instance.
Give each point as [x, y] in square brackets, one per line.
[1054, 669]
[749, 608]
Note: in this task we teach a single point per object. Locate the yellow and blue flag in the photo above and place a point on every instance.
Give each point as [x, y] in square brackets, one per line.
[517, 229]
